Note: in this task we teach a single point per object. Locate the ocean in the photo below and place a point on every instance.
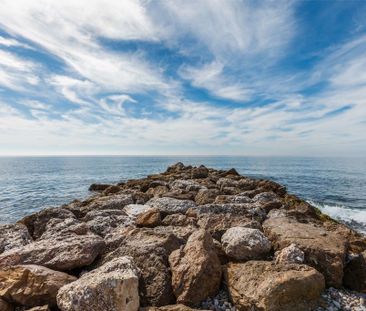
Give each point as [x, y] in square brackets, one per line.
[28, 184]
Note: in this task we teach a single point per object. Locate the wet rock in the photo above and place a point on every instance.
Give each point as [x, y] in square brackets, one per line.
[206, 196]
[149, 218]
[32, 285]
[196, 269]
[13, 235]
[199, 172]
[355, 273]
[113, 286]
[5, 306]
[170, 205]
[324, 250]
[36, 223]
[98, 187]
[218, 224]
[155, 287]
[262, 285]
[290, 254]
[243, 243]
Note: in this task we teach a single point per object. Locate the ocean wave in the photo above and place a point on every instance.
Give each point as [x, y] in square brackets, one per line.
[356, 218]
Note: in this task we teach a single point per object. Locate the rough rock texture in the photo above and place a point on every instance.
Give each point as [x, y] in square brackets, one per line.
[245, 243]
[118, 201]
[32, 285]
[133, 210]
[196, 269]
[290, 254]
[199, 172]
[155, 280]
[39, 308]
[206, 196]
[324, 250]
[170, 205]
[5, 306]
[178, 307]
[262, 285]
[355, 273]
[113, 286]
[12, 236]
[60, 253]
[150, 218]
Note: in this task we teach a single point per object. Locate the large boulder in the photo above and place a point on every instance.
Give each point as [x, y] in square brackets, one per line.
[168, 205]
[37, 222]
[31, 285]
[65, 246]
[196, 269]
[324, 250]
[242, 243]
[155, 288]
[118, 201]
[13, 235]
[149, 218]
[113, 286]
[355, 272]
[263, 285]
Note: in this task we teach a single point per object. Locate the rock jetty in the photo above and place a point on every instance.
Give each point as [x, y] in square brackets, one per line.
[190, 238]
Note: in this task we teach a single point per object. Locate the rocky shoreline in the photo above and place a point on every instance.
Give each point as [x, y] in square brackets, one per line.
[188, 238]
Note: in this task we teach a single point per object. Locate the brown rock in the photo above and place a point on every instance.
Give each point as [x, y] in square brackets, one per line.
[196, 269]
[32, 285]
[157, 191]
[118, 201]
[355, 273]
[5, 306]
[113, 286]
[324, 250]
[262, 285]
[199, 172]
[112, 189]
[12, 236]
[39, 308]
[178, 307]
[36, 223]
[98, 187]
[149, 218]
[206, 196]
[179, 220]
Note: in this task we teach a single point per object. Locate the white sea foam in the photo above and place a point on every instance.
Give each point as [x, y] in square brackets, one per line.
[354, 217]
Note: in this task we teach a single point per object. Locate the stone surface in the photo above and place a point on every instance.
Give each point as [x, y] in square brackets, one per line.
[149, 218]
[199, 172]
[39, 308]
[290, 254]
[355, 273]
[262, 285]
[62, 253]
[118, 201]
[155, 288]
[206, 196]
[243, 243]
[98, 187]
[170, 205]
[324, 250]
[5, 306]
[113, 286]
[133, 210]
[196, 269]
[13, 235]
[32, 285]
[177, 307]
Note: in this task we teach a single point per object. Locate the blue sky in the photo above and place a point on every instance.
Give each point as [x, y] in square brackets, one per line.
[183, 77]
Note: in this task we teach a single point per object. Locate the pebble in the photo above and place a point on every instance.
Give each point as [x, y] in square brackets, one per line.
[342, 300]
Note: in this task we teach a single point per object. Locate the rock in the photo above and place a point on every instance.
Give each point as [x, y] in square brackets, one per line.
[118, 201]
[39, 308]
[217, 224]
[170, 205]
[155, 288]
[103, 222]
[113, 286]
[290, 254]
[243, 243]
[98, 187]
[206, 196]
[262, 285]
[199, 172]
[5, 306]
[324, 250]
[134, 210]
[36, 223]
[232, 172]
[158, 191]
[149, 218]
[244, 209]
[271, 186]
[175, 168]
[31, 285]
[226, 183]
[196, 269]
[178, 307]
[60, 253]
[355, 273]
[247, 184]
[268, 200]
[186, 184]
[112, 189]
[12, 236]
[179, 220]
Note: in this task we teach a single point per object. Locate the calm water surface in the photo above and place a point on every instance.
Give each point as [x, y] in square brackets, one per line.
[28, 184]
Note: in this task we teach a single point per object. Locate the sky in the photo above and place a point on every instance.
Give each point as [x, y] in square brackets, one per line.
[185, 77]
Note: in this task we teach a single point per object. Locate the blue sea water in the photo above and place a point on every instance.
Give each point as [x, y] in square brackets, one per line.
[28, 184]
